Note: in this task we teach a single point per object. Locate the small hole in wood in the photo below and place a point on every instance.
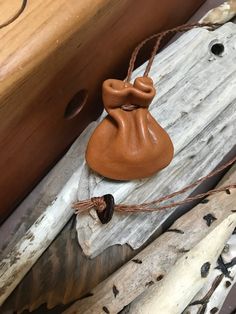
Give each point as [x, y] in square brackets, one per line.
[217, 49]
[160, 277]
[76, 104]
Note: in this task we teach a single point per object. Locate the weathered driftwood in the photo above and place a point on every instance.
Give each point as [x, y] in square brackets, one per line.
[212, 296]
[196, 103]
[188, 275]
[222, 14]
[58, 190]
[202, 145]
[65, 268]
[154, 262]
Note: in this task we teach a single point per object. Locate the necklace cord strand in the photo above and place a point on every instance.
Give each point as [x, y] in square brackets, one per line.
[99, 203]
[192, 185]
[160, 36]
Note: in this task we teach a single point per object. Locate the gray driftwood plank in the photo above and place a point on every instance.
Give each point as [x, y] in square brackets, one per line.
[150, 267]
[196, 104]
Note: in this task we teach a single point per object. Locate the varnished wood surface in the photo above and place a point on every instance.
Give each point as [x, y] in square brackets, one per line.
[53, 50]
[9, 13]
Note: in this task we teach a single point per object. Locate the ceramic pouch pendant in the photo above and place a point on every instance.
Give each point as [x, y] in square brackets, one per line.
[129, 143]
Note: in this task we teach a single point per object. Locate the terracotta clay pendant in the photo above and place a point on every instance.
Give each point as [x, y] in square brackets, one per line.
[128, 144]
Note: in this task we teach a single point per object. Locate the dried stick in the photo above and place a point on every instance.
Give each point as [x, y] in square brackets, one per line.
[151, 265]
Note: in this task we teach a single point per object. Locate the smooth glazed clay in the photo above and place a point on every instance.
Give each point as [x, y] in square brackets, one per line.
[129, 143]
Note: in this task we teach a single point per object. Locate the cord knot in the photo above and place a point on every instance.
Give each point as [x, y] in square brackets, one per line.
[104, 206]
[99, 203]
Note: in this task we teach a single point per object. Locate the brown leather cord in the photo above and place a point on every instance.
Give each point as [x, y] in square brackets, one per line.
[99, 204]
[95, 202]
[104, 205]
[15, 16]
[188, 187]
[160, 36]
[145, 208]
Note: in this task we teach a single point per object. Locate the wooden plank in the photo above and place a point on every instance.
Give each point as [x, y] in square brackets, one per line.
[196, 104]
[65, 270]
[189, 274]
[46, 193]
[221, 14]
[30, 246]
[218, 296]
[47, 56]
[153, 264]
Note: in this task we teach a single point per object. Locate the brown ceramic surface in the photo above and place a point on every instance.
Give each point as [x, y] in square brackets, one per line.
[129, 143]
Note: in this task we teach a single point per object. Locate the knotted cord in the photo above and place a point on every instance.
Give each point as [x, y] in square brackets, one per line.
[99, 204]
[105, 204]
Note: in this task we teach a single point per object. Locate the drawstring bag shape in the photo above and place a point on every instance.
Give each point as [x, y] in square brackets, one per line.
[129, 143]
[120, 146]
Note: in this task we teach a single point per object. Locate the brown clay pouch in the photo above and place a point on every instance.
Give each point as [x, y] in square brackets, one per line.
[129, 143]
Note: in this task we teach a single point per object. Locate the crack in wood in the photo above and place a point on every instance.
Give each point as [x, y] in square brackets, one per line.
[115, 291]
[209, 218]
[204, 301]
[175, 230]
[205, 269]
[137, 261]
[224, 267]
[105, 309]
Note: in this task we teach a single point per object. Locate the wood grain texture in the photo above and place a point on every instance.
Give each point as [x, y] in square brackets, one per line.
[196, 104]
[53, 50]
[216, 299]
[9, 13]
[221, 14]
[189, 274]
[151, 266]
[61, 274]
[44, 196]
[47, 192]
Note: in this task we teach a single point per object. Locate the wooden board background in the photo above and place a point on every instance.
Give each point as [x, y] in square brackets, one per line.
[63, 271]
[52, 51]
